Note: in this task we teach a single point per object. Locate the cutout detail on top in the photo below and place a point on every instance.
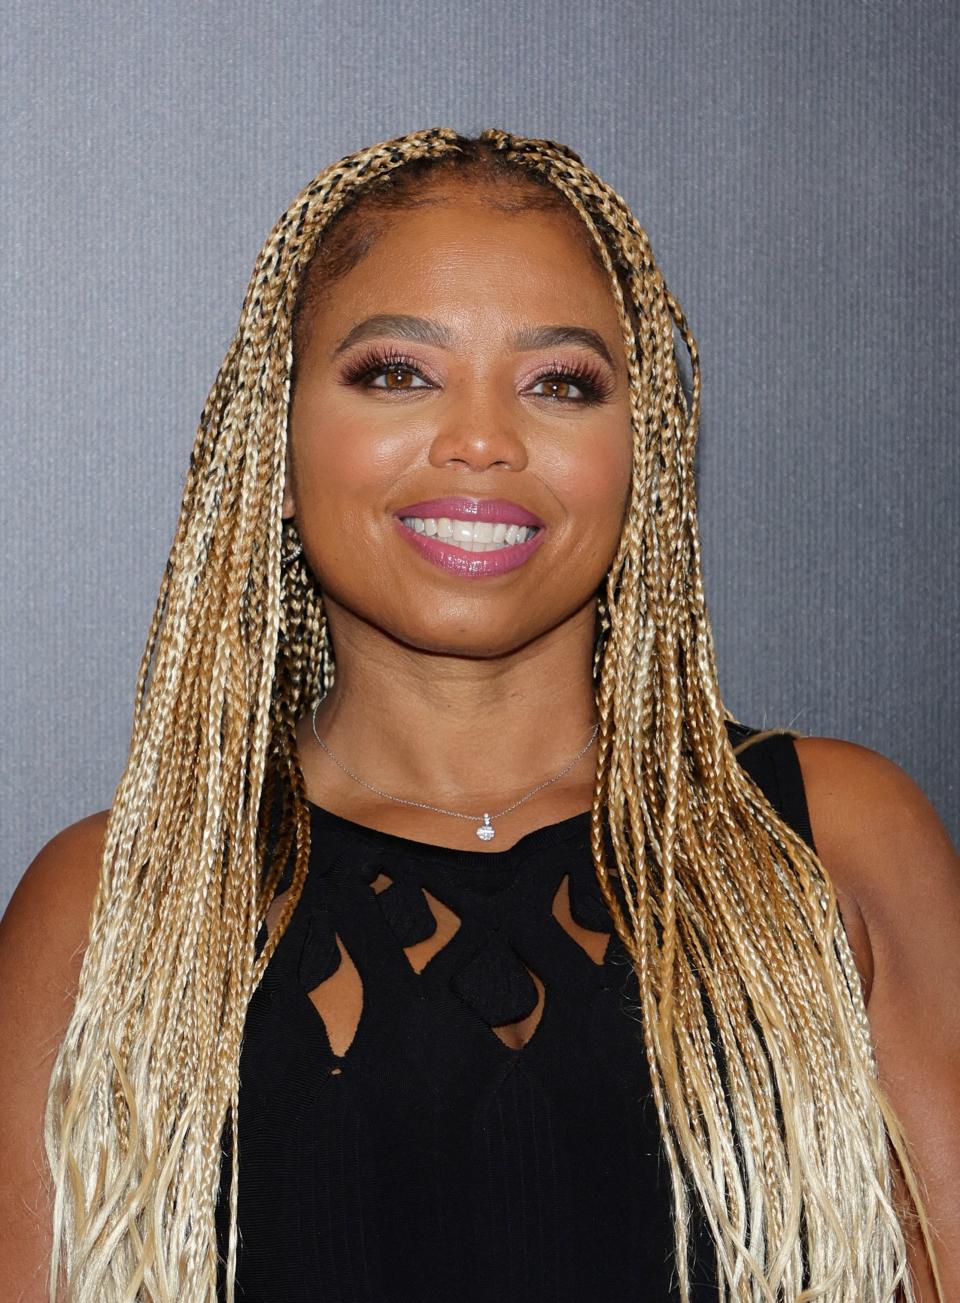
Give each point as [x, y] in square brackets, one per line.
[421, 923]
[516, 1035]
[593, 942]
[496, 984]
[339, 1002]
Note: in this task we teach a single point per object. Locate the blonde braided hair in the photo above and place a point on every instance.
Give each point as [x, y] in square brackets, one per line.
[752, 1013]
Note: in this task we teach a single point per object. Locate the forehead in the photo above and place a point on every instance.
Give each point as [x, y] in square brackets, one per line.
[460, 243]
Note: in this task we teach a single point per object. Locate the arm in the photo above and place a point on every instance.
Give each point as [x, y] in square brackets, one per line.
[43, 935]
[884, 846]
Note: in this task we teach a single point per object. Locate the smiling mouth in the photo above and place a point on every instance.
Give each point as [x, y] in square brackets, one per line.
[470, 535]
[470, 549]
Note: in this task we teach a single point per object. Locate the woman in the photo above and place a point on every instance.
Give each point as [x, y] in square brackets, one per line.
[432, 804]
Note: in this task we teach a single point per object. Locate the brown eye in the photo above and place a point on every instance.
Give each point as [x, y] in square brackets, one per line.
[559, 388]
[397, 376]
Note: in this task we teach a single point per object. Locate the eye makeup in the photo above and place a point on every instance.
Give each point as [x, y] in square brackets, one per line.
[365, 368]
[591, 380]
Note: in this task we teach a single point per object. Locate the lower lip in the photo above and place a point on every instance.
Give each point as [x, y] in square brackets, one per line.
[470, 565]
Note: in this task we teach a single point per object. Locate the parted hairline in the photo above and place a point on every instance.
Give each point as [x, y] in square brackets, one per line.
[361, 223]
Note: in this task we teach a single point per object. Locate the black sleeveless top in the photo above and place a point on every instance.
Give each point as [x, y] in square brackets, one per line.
[431, 1162]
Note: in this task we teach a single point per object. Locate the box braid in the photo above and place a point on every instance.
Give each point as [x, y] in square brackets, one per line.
[752, 1014]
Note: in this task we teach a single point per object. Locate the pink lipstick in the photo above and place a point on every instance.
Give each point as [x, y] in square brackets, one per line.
[461, 561]
[497, 510]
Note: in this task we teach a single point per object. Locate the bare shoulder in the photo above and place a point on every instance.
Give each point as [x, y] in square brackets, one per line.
[43, 936]
[886, 849]
[64, 873]
[883, 843]
[878, 833]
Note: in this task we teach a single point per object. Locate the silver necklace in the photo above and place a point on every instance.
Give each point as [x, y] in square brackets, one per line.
[486, 831]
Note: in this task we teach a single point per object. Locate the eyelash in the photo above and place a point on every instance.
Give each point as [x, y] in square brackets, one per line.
[590, 380]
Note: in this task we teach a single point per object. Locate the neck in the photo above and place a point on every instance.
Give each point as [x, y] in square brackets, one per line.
[466, 733]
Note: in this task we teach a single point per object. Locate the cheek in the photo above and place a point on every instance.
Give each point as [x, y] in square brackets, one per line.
[341, 463]
[595, 482]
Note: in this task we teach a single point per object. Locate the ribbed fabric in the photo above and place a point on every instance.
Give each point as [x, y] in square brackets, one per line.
[432, 1162]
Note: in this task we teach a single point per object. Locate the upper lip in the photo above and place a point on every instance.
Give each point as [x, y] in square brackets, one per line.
[497, 510]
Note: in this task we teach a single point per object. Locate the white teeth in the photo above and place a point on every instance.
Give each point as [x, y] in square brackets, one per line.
[470, 535]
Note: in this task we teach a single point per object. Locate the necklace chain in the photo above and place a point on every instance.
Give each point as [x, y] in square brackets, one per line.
[486, 830]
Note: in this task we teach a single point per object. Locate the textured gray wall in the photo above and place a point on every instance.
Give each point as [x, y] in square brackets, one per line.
[795, 166]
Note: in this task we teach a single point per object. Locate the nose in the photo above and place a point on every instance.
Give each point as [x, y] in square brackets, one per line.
[479, 432]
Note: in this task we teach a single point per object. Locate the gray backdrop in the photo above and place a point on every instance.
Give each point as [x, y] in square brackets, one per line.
[795, 165]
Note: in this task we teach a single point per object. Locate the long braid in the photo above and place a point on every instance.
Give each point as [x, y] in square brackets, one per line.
[781, 965]
[147, 1072]
[753, 1021]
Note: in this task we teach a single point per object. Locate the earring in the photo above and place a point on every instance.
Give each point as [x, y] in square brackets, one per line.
[289, 535]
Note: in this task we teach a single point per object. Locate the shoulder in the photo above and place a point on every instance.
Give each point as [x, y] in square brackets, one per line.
[879, 837]
[43, 932]
[43, 935]
[55, 894]
[881, 840]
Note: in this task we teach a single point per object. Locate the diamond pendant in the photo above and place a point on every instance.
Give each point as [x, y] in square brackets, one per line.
[486, 832]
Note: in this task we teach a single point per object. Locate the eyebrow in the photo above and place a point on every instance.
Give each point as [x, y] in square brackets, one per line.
[423, 330]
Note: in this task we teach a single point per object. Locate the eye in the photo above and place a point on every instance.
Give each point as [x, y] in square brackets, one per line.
[579, 384]
[390, 371]
[559, 387]
[396, 376]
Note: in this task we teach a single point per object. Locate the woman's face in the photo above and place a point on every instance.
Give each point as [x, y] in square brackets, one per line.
[466, 377]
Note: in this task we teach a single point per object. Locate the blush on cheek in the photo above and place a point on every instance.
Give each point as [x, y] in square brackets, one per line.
[597, 485]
